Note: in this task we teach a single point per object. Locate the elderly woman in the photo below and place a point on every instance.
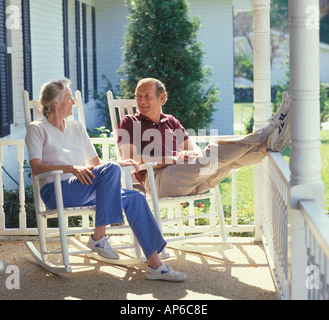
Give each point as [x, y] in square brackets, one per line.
[56, 143]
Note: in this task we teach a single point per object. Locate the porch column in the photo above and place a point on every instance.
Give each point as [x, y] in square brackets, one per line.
[262, 91]
[262, 67]
[305, 159]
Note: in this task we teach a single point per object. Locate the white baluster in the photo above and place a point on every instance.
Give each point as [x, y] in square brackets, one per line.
[22, 212]
[234, 210]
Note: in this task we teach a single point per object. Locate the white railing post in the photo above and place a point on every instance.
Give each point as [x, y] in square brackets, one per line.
[262, 92]
[305, 159]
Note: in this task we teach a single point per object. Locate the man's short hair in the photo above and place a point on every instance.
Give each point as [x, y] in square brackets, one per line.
[160, 87]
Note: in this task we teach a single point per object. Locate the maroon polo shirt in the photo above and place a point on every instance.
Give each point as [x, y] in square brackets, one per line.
[151, 139]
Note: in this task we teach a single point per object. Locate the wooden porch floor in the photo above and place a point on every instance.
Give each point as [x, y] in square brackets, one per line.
[240, 273]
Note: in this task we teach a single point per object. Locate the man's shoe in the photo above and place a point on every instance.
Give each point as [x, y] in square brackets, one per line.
[102, 247]
[164, 272]
[280, 138]
[282, 111]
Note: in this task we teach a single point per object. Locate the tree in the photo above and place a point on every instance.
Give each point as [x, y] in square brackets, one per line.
[161, 42]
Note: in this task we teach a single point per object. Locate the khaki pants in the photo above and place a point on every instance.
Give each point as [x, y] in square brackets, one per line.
[211, 167]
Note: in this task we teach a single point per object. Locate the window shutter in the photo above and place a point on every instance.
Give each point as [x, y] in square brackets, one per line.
[94, 48]
[85, 51]
[5, 76]
[66, 39]
[27, 53]
[78, 44]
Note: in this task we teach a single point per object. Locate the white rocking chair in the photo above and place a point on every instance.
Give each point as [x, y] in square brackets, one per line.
[176, 227]
[131, 250]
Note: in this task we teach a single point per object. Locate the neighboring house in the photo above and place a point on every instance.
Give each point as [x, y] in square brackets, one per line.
[41, 40]
[280, 62]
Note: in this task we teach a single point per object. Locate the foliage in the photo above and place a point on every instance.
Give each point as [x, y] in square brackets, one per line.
[279, 15]
[102, 132]
[244, 66]
[12, 208]
[161, 42]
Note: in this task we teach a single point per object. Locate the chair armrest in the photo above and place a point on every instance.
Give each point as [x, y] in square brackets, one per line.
[47, 174]
[147, 165]
[143, 166]
[129, 170]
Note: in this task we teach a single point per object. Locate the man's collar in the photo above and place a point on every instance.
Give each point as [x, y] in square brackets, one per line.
[163, 117]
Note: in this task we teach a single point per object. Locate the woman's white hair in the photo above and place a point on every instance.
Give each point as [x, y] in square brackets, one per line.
[52, 92]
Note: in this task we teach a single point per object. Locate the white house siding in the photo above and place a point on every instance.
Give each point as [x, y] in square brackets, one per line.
[216, 37]
[111, 22]
[46, 42]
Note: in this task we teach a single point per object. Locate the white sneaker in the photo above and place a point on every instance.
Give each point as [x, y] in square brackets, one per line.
[102, 247]
[164, 272]
[280, 138]
[282, 111]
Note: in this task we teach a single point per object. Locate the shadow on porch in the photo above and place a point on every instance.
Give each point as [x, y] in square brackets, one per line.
[239, 273]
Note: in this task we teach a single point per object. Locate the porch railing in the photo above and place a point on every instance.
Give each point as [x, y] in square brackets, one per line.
[302, 276]
[105, 144]
[275, 204]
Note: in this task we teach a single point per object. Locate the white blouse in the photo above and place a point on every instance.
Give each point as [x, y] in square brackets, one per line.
[52, 146]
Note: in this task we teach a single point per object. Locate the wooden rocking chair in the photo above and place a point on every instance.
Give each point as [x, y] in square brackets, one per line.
[177, 228]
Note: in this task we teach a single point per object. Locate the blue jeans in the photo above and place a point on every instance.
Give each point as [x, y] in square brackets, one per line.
[105, 192]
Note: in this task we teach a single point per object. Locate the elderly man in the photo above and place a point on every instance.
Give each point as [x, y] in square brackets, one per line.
[184, 169]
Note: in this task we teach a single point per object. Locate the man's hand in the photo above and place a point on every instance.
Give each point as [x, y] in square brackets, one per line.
[185, 156]
[128, 162]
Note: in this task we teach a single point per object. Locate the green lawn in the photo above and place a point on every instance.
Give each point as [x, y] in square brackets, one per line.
[245, 176]
[242, 110]
[242, 113]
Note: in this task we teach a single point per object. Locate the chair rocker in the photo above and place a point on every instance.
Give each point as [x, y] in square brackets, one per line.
[177, 228]
[131, 251]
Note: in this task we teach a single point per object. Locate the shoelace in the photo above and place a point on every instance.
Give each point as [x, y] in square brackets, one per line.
[105, 241]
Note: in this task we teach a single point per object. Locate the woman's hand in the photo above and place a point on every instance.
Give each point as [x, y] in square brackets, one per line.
[84, 174]
[128, 162]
